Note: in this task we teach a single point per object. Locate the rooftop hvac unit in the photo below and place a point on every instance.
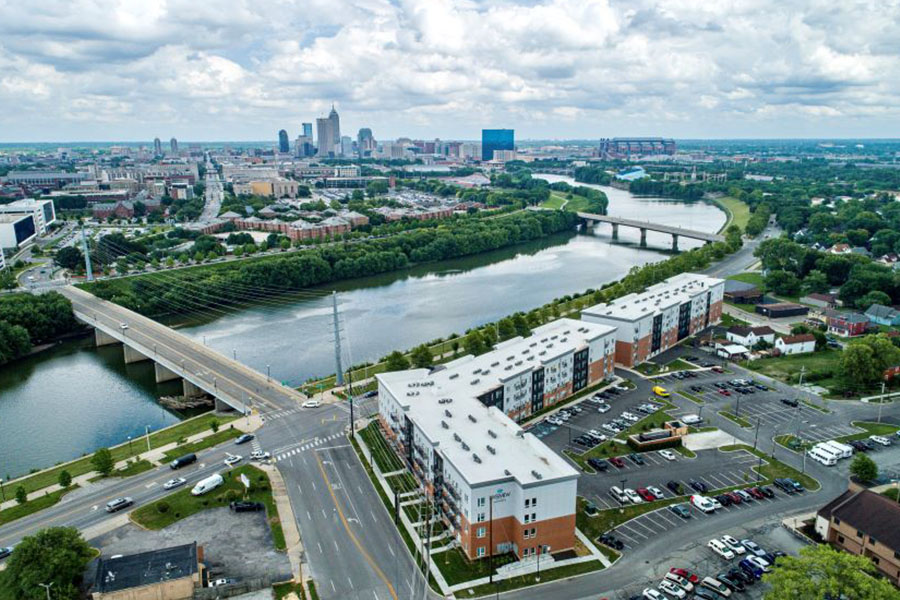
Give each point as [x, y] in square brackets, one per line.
[507, 367]
[473, 419]
[476, 458]
[492, 433]
[444, 425]
[456, 437]
[506, 472]
[494, 364]
[491, 449]
[454, 375]
[474, 381]
[486, 372]
[532, 344]
[536, 475]
[518, 362]
[448, 414]
[465, 446]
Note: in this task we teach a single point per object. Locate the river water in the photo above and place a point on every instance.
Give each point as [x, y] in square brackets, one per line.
[75, 398]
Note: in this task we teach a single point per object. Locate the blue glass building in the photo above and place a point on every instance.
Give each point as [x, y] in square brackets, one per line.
[496, 139]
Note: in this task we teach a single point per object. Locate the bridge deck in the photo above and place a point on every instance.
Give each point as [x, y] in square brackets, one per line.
[224, 378]
[679, 231]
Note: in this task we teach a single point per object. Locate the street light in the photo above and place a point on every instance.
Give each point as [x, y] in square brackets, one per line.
[2, 493]
[268, 373]
[129, 445]
[147, 434]
[47, 587]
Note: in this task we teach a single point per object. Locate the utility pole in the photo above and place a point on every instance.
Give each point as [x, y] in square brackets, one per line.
[87, 268]
[47, 587]
[881, 402]
[337, 340]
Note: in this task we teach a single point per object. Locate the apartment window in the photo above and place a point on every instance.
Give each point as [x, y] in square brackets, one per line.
[875, 559]
[533, 532]
[840, 539]
[527, 518]
[872, 541]
[533, 517]
[479, 552]
[481, 532]
[837, 521]
[480, 518]
[525, 534]
[527, 503]
[859, 533]
[480, 503]
[534, 501]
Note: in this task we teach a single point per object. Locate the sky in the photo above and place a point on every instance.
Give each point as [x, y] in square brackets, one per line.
[130, 70]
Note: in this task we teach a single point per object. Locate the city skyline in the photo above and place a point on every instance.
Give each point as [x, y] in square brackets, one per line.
[551, 70]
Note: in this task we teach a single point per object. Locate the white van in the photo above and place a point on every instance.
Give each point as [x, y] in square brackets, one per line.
[823, 457]
[207, 485]
[842, 450]
[836, 454]
[703, 503]
[618, 495]
[691, 419]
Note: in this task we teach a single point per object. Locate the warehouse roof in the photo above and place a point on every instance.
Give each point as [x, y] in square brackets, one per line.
[146, 568]
[673, 291]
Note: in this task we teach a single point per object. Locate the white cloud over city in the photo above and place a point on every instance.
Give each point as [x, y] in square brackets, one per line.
[241, 70]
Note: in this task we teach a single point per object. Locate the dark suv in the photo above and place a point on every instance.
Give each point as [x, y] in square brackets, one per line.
[246, 506]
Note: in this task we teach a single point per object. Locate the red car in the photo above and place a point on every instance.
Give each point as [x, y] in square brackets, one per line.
[685, 573]
[617, 462]
[755, 493]
[735, 498]
[718, 370]
[646, 495]
[724, 392]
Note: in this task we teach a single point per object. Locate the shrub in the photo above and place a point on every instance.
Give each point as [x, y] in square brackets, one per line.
[162, 506]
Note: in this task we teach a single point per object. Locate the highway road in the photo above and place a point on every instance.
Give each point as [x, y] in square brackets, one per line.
[214, 194]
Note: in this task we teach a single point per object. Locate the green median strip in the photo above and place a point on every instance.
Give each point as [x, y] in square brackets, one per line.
[133, 468]
[736, 419]
[870, 428]
[773, 468]
[223, 435]
[32, 506]
[183, 504]
[692, 397]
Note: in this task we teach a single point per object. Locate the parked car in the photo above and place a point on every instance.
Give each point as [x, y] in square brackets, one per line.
[686, 574]
[790, 402]
[657, 493]
[617, 462]
[757, 495]
[231, 459]
[760, 562]
[698, 485]
[796, 485]
[752, 548]
[632, 496]
[744, 495]
[681, 510]
[880, 439]
[667, 454]
[311, 404]
[590, 508]
[636, 458]
[721, 549]
[645, 494]
[751, 569]
[246, 506]
[716, 586]
[674, 486]
[243, 439]
[733, 583]
[703, 503]
[703, 593]
[174, 483]
[766, 491]
[682, 582]
[733, 544]
[4, 552]
[598, 464]
[735, 498]
[603, 408]
[671, 589]
[784, 485]
[651, 594]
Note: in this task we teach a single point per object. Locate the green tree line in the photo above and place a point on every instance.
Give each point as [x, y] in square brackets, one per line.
[26, 320]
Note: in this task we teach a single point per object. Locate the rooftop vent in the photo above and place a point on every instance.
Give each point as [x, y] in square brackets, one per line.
[542, 352]
[506, 472]
[491, 449]
[537, 475]
[476, 458]
[518, 362]
[494, 364]
[454, 375]
[492, 433]
[473, 419]
[444, 425]
[520, 433]
[474, 381]
[448, 414]
[465, 446]
[507, 367]
[532, 344]
[456, 437]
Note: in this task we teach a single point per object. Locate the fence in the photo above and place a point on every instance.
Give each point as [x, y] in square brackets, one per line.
[244, 586]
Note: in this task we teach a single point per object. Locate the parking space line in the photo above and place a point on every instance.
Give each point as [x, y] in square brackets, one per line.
[649, 517]
[639, 521]
[634, 534]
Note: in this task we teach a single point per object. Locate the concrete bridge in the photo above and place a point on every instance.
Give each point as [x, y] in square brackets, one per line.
[591, 219]
[176, 356]
[561, 171]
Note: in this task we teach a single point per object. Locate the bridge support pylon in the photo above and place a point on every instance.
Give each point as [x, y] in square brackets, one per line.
[191, 390]
[615, 227]
[132, 355]
[164, 374]
[643, 237]
[104, 339]
[675, 242]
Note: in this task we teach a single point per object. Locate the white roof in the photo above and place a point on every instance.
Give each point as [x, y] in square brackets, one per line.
[428, 396]
[656, 298]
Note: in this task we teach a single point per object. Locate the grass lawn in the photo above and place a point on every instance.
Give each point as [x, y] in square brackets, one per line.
[752, 277]
[313, 594]
[32, 506]
[729, 321]
[774, 468]
[384, 456]
[793, 443]
[530, 579]
[738, 212]
[283, 589]
[787, 368]
[181, 504]
[134, 467]
[870, 428]
[691, 396]
[404, 482]
[821, 409]
[680, 365]
[733, 417]
[456, 568]
[647, 368]
[223, 435]
[686, 452]
[121, 452]
[555, 201]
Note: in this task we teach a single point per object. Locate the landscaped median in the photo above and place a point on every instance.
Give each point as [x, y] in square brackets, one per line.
[869, 428]
[736, 419]
[182, 503]
[32, 506]
[773, 468]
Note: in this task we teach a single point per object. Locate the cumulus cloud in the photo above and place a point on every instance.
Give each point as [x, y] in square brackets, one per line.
[242, 69]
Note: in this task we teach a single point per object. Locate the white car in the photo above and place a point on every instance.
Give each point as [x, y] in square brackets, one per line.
[880, 439]
[554, 421]
[734, 545]
[721, 549]
[671, 589]
[657, 493]
[760, 562]
[231, 459]
[651, 594]
[260, 455]
[667, 454]
[174, 483]
[604, 408]
[679, 581]
[715, 503]
[311, 404]
[633, 496]
[703, 503]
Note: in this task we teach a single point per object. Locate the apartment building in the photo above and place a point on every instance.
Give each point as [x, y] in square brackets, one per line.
[656, 319]
[498, 488]
[42, 211]
[866, 523]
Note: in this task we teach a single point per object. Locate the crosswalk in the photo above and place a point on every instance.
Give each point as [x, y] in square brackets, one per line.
[293, 451]
[280, 414]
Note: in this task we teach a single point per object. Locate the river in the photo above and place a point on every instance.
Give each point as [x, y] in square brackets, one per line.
[73, 399]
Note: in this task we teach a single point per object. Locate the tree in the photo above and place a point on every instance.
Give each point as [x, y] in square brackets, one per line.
[396, 361]
[214, 426]
[863, 468]
[821, 571]
[858, 364]
[65, 479]
[507, 328]
[521, 325]
[474, 343]
[284, 244]
[784, 283]
[69, 257]
[815, 282]
[103, 461]
[873, 297]
[21, 495]
[421, 356]
[56, 555]
[455, 346]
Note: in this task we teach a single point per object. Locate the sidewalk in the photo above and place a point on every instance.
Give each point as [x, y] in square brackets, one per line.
[155, 456]
[293, 543]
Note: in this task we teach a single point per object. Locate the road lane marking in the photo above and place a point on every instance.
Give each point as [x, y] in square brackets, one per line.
[353, 537]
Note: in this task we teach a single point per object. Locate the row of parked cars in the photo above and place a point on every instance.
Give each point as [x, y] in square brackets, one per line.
[679, 582]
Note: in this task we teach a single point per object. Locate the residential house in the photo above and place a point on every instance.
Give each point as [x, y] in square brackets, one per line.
[883, 315]
[796, 344]
[820, 300]
[750, 336]
[864, 523]
[840, 249]
[847, 324]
